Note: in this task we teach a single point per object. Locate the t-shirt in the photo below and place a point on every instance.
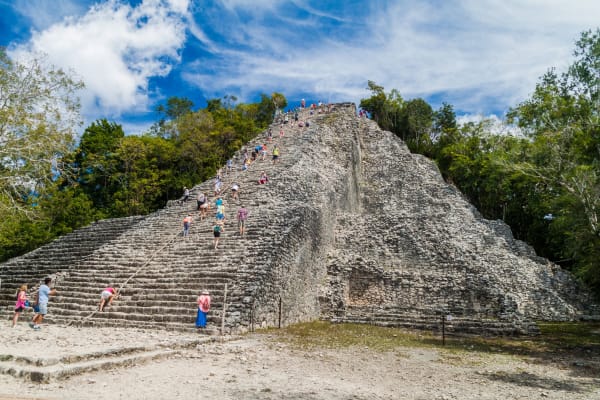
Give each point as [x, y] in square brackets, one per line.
[235, 187]
[201, 198]
[204, 303]
[218, 202]
[43, 294]
[217, 228]
[242, 214]
[276, 151]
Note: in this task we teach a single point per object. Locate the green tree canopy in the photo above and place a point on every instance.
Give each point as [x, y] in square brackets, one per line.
[39, 112]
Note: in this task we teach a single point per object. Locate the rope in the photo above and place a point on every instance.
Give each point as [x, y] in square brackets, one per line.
[148, 260]
[168, 243]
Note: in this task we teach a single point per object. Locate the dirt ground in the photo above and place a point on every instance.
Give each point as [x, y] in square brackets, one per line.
[262, 366]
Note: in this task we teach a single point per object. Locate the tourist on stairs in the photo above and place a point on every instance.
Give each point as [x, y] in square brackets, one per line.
[221, 213]
[200, 200]
[204, 209]
[203, 309]
[217, 229]
[44, 293]
[235, 191]
[20, 305]
[263, 178]
[186, 194]
[275, 154]
[187, 221]
[109, 295]
[242, 216]
[263, 151]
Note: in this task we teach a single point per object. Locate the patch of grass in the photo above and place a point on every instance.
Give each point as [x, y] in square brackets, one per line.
[556, 338]
[322, 334]
[572, 338]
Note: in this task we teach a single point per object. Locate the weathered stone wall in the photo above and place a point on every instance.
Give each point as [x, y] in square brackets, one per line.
[416, 246]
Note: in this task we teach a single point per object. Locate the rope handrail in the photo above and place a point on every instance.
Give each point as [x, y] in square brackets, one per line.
[234, 178]
[122, 285]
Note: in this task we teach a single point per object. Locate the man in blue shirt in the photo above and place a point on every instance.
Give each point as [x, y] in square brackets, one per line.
[44, 293]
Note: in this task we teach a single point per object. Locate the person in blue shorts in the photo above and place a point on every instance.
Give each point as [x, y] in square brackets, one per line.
[44, 293]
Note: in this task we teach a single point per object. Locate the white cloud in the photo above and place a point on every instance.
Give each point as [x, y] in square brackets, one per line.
[481, 56]
[493, 123]
[478, 55]
[44, 13]
[115, 49]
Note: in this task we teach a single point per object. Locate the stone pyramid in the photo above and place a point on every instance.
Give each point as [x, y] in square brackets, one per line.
[351, 227]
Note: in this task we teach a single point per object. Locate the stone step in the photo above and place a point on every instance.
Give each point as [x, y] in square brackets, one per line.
[46, 370]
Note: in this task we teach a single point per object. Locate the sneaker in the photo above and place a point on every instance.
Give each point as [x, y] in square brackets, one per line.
[37, 327]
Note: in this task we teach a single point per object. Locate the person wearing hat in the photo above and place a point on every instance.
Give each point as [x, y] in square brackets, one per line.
[203, 309]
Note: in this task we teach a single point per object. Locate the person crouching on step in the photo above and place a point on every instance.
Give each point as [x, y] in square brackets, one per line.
[107, 295]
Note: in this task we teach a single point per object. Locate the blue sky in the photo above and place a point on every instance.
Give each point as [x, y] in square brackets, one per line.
[482, 56]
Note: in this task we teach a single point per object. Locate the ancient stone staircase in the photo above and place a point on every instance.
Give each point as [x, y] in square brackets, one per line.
[158, 272]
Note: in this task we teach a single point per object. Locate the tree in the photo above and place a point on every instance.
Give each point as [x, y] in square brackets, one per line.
[444, 120]
[385, 109]
[175, 107]
[279, 100]
[39, 112]
[98, 161]
[562, 118]
[266, 110]
[417, 119]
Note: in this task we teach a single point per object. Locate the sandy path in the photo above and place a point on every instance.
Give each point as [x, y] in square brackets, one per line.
[259, 367]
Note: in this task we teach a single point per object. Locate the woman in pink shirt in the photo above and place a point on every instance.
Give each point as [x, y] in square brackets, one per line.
[107, 294]
[203, 309]
[20, 304]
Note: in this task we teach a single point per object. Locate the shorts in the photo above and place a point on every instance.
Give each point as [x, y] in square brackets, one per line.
[204, 205]
[106, 294]
[217, 234]
[241, 223]
[275, 157]
[19, 309]
[43, 309]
